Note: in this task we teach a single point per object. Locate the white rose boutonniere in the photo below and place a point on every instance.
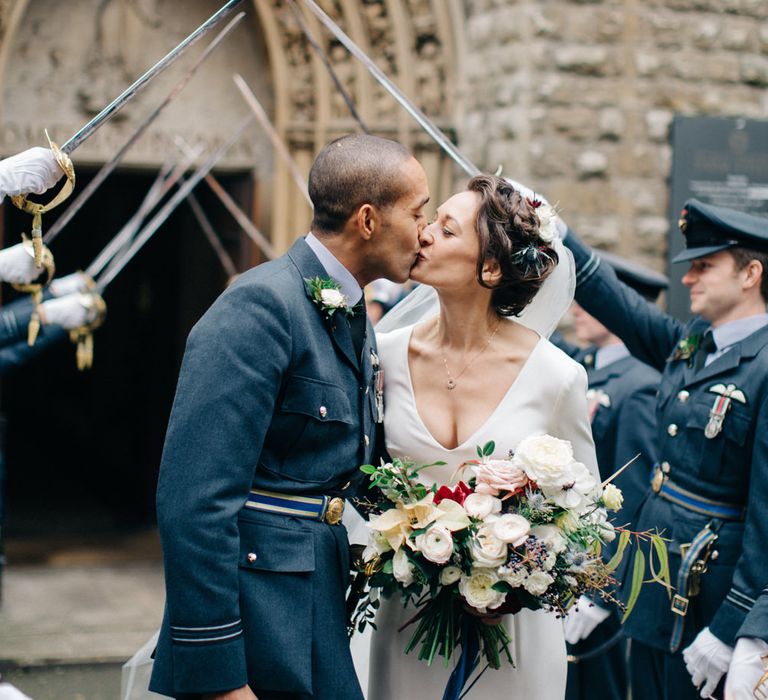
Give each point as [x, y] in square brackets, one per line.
[326, 293]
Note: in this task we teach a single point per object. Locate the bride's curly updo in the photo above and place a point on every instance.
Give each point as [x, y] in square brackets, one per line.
[508, 228]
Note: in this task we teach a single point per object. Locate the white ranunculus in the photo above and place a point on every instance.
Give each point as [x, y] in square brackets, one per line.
[544, 459]
[436, 544]
[551, 536]
[511, 528]
[537, 582]
[514, 576]
[612, 497]
[481, 505]
[550, 561]
[576, 482]
[333, 298]
[450, 574]
[487, 549]
[478, 591]
[402, 569]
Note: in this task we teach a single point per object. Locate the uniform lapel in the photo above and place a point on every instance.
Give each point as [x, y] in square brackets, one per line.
[747, 348]
[337, 325]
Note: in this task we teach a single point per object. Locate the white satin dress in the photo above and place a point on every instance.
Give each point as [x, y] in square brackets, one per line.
[548, 396]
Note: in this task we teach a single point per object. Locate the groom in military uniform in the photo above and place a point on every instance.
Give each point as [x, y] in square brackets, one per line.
[710, 486]
[276, 408]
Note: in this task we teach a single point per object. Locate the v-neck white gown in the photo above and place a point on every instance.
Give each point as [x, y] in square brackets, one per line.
[548, 396]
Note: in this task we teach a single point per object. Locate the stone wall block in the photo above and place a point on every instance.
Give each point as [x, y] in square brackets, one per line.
[657, 123]
[754, 70]
[586, 60]
[610, 124]
[591, 164]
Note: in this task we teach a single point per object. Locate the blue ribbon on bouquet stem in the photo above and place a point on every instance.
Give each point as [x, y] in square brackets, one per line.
[470, 657]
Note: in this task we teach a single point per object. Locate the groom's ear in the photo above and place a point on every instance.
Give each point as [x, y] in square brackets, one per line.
[368, 220]
[491, 273]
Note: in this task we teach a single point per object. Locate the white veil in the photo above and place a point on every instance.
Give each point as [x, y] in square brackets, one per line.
[541, 315]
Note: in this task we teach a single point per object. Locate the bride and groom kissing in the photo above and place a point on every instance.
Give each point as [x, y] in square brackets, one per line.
[279, 401]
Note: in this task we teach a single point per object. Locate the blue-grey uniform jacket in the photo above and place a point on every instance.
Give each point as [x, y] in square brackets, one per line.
[756, 622]
[730, 468]
[270, 396]
[14, 349]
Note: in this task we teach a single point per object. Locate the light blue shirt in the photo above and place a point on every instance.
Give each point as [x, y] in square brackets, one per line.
[730, 333]
[348, 284]
[609, 354]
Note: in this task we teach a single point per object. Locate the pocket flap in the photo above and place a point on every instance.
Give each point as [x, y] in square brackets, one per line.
[272, 548]
[319, 400]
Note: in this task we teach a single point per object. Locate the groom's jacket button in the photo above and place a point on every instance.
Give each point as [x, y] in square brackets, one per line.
[252, 557]
[323, 411]
[367, 440]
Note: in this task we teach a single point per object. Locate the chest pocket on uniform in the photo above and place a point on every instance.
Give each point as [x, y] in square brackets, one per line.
[319, 400]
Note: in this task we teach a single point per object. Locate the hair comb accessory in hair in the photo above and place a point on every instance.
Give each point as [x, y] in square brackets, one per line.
[547, 218]
[532, 259]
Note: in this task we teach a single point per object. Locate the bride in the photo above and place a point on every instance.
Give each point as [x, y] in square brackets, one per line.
[478, 367]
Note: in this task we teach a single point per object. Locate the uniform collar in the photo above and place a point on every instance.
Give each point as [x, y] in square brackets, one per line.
[349, 286]
[732, 332]
[609, 354]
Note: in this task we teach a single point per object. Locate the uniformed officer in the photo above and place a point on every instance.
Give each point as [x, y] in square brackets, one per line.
[622, 404]
[710, 487]
[748, 672]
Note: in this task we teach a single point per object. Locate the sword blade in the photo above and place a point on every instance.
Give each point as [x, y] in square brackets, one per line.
[218, 247]
[442, 140]
[129, 93]
[159, 219]
[274, 137]
[108, 168]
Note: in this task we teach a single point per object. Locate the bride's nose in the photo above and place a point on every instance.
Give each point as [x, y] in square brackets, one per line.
[425, 235]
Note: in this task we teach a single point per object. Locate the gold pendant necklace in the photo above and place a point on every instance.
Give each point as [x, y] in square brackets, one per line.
[451, 383]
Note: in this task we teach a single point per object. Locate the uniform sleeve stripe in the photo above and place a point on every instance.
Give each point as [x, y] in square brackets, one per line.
[200, 640]
[740, 601]
[206, 629]
[588, 269]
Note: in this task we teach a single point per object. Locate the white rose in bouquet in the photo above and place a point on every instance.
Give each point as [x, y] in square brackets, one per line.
[478, 590]
[436, 544]
[450, 574]
[333, 298]
[498, 475]
[612, 497]
[544, 459]
[402, 569]
[514, 576]
[511, 528]
[487, 549]
[481, 505]
[537, 582]
[576, 483]
[551, 536]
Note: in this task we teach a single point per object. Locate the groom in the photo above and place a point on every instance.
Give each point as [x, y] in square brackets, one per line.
[275, 410]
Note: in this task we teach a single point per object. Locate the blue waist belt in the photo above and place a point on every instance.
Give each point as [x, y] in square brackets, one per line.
[327, 509]
[698, 504]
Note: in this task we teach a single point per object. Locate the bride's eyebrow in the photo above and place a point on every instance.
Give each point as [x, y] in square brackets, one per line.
[454, 220]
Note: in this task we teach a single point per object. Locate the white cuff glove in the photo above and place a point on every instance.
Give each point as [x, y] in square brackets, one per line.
[17, 265]
[68, 312]
[75, 283]
[34, 170]
[707, 659]
[746, 668]
[582, 619]
[11, 692]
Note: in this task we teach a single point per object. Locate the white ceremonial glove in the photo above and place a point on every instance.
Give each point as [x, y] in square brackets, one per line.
[707, 659]
[77, 282]
[34, 170]
[582, 619]
[746, 668]
[68, 312]
[17, 265]
[11, 692]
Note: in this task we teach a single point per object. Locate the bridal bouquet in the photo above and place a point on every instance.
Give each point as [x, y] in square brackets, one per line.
[526, 531]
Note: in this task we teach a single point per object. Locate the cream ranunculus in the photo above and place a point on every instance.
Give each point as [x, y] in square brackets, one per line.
[544, 458]
[478, 591]
[511, 528]
[537, 582]
[450, 574]
[481, 505]
[551, 536]
[333, 298]
[402, 569]
[514, 576]
[498, 475]
[436, 544]
[487, 549]
[613, 498]
[576, 482]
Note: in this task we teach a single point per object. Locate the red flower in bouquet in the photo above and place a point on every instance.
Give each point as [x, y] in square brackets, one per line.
[459, 493]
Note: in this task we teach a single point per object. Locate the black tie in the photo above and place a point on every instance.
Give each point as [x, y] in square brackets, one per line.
[357, 324]
[706, 347]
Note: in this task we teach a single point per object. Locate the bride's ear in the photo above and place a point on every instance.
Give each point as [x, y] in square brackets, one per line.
[491, 272]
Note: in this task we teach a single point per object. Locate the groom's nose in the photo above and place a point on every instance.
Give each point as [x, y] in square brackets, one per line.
[425, 236]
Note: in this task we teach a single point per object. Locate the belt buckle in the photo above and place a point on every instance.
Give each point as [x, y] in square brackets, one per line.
[334, 511]
[680, 605]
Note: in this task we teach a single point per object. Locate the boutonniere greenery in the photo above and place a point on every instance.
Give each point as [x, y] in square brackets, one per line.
[686, 348]
[326, 293]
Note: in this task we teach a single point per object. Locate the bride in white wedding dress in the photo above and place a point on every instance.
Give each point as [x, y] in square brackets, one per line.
[471, 372]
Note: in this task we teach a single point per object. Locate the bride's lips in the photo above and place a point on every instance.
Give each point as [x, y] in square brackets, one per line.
[419, 258]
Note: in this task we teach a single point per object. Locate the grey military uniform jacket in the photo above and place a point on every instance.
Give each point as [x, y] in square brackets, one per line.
[732, 467]
[272, 397]
[14, 349]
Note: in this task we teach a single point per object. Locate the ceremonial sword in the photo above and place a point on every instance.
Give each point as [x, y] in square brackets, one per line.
[221, 253]
[109, 166]
[442, 140]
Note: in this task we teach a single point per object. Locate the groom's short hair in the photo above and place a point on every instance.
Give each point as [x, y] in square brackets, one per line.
[351, 171]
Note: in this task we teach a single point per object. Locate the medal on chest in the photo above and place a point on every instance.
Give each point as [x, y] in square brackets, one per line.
[378, 387]
[724, 395]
